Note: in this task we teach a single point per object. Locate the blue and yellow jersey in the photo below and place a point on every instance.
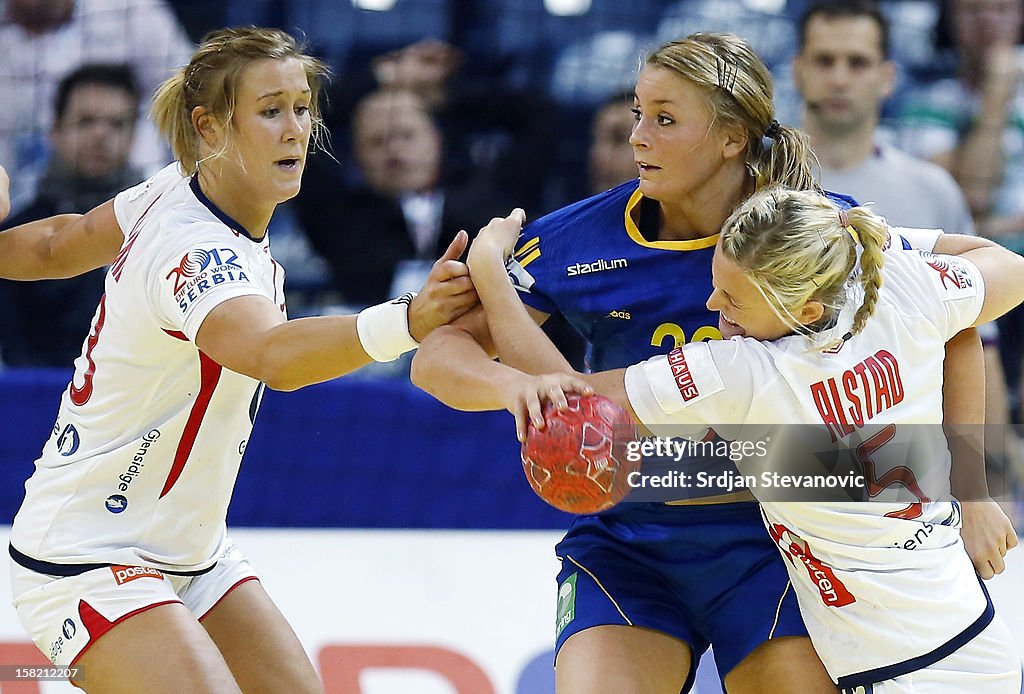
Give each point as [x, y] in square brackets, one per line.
[630, 297]
[597, 262]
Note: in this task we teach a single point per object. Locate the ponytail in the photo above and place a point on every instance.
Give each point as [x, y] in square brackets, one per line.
[872, 233]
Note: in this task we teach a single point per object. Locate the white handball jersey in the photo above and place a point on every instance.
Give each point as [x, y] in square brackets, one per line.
[885, 587]
[143, 457]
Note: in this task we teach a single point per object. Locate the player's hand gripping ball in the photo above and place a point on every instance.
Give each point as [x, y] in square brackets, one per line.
[578, 462]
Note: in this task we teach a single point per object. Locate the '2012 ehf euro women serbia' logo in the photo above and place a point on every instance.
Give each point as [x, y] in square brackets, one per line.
[203, 268]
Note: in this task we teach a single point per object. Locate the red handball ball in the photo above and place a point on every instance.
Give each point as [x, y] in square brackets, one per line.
[578, 462]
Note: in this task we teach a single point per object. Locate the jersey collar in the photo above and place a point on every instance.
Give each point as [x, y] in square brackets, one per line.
[220, 214]
[635, 203]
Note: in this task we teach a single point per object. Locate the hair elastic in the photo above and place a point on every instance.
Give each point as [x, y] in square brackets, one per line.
[844, 221]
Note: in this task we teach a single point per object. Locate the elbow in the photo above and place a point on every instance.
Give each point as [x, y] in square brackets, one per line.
[277, 375]
[282, 385]
[421, 372]
[275, 380]
[431, 373]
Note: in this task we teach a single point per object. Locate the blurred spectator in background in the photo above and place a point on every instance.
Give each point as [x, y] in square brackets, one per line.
[380, 236]
[385, 231]
[502, 138]
[423, 67]
[43, 40]
[844, 75]
[93, 127]
[973, 125]
[610, 157]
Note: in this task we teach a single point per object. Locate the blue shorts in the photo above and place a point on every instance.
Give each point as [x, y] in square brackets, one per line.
[708, 575]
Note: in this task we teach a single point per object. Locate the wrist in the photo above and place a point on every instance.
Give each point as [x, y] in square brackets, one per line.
[383, 330]
[485, 261]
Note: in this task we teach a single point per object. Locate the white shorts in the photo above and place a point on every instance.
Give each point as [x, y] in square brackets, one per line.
[988, 664]
[65, 615]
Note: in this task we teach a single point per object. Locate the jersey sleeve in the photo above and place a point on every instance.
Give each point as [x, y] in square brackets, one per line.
[908, 238]
[131, 204]
[695, 387]
[951, 290]
[527, 271]
[188, 284]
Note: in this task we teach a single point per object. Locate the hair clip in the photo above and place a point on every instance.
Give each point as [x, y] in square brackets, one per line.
[190, 73]
[727, 72]
[773, 130]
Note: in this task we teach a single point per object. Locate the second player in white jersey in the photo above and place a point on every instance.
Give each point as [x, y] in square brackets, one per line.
[149, 425]
[120, 548]
[885, 586]
[868, 575]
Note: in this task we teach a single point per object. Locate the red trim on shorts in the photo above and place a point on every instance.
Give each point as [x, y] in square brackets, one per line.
[209, 376]
[214, 606]
[97, 625]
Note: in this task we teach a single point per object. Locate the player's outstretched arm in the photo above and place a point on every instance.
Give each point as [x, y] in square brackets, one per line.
[249, 334]
[958, 244]
[63, 246]
[987, 532]
[518, 338]
[455, 363]
[1001, 270]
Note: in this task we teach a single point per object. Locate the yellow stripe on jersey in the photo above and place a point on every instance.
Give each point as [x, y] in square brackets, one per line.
[530, 258]
[527, 247]
[634, 231]
[528, 252]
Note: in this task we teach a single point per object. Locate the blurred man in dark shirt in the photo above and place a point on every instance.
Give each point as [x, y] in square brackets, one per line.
[45, 323]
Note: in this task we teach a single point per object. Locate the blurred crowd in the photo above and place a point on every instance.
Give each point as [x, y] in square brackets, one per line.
[444, 113]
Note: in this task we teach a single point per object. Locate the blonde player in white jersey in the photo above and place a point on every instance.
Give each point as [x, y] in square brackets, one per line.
[121, 564]
[890, 598]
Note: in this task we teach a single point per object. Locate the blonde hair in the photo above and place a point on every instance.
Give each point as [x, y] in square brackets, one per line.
[739, 90]
[795, 248]
[211, 80]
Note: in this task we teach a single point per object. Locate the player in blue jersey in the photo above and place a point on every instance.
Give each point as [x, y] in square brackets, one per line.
[646, 588]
